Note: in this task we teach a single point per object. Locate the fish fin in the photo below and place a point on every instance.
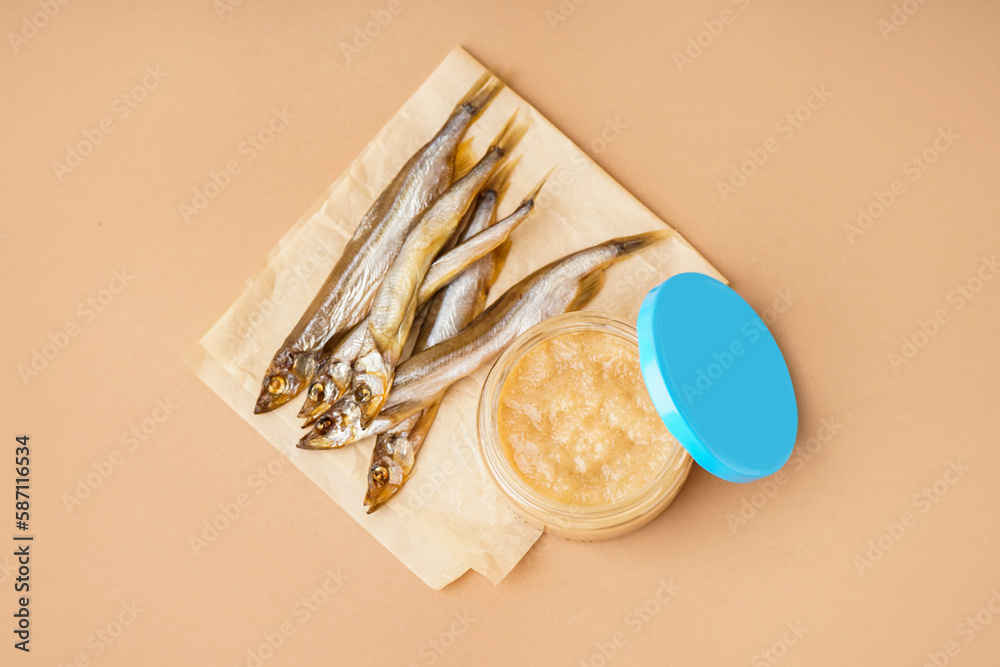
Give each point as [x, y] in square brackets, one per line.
[373, 341]
[304, 366]
[499, 259]
[627, 245]
[500, 180]
[421, 321]
[588, 288]
[430, 309]
[480, 94]
[465, 159]
[509, 136]
[529, 199]
[402, 336]
[423, 426]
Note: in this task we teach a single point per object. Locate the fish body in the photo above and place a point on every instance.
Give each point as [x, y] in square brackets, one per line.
[394, 305]
[395, 451]
[451, 264]
[335, 370]
[348, 291]
[450, 310]
[564, 285]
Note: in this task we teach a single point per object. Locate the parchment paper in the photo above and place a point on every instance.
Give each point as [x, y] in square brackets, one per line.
[449, 517]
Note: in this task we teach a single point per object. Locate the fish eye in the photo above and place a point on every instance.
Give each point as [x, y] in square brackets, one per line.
[316, 391]
[324, 424]
[363, 393]
[380, 474]
[276, 384]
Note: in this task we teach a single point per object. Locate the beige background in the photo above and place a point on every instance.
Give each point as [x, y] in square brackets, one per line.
[780, 237]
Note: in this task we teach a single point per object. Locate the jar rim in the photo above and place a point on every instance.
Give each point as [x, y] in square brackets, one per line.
[518, 489]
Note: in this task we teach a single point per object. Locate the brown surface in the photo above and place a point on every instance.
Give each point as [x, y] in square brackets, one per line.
[783, 232]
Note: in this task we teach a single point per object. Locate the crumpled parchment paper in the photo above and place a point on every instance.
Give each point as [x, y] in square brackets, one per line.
[450, 516]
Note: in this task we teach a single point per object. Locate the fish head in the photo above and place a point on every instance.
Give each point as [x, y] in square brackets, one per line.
[338, 426]
[370, 392]
[329, 384]
[370, 384]
[286, 376]
[392, 462]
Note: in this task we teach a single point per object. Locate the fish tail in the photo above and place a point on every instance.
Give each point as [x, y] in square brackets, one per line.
[423, 426]
[622, 247]
[628, 245]
[465, 159]
[499, 259]
[529, 199]
[480, 95]
[500, 180]
[509, 136]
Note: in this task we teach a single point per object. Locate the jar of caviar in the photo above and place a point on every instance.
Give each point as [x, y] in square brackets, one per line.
[590, 424]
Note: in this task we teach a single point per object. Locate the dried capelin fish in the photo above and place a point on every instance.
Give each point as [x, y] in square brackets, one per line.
[564, 285]
[334, 373]
[345, 297]
[395, 303]
[395, 451]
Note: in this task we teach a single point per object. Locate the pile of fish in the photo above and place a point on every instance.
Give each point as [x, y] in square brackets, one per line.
[426, 251]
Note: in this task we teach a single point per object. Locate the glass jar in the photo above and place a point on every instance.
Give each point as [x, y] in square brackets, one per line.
[717, 381]
[573, 521]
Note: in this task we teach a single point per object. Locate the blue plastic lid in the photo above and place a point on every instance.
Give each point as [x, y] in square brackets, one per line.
[717, 378]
